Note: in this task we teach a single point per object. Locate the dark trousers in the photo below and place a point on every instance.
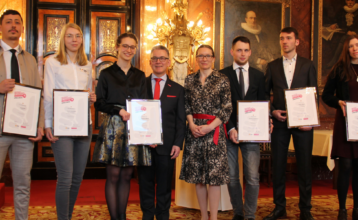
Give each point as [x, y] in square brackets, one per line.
[161, 171]
[303, 141]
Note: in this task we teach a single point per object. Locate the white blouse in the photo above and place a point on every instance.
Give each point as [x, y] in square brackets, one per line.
[69, 76]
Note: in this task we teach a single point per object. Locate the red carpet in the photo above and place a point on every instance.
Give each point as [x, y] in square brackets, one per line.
[92, 192]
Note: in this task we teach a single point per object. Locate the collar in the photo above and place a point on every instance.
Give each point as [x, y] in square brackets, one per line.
[250, 29]
[292, 60]
[6, 47]
[245, 67]
[213, 73]
[164, 77]
[115, 65]
[351, 10]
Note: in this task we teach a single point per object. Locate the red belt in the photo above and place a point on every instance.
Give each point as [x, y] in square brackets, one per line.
[211, 119]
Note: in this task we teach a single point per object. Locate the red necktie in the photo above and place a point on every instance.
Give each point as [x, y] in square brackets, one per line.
[157, 88]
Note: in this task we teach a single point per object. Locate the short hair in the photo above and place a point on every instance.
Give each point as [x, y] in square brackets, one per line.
[159, 47]
[290, 30]
[124, 35]
[205, 46]
[242, 39]
[10, 12]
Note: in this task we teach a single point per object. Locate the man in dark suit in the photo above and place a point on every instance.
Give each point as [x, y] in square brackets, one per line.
[289, 72]
[246, 83]
[171, 95]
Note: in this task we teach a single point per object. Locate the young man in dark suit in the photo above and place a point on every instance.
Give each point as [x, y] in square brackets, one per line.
[289, 72]
[171, 95]
[246, 83]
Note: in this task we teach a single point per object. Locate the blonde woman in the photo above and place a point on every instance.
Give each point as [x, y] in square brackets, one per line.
[68, 69]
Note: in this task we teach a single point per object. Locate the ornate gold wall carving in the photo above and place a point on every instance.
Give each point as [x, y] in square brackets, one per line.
[54, 27]
[108, 32]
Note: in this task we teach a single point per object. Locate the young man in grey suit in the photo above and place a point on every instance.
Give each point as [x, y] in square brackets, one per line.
[246, 83]
[288, 72]
[16, 65]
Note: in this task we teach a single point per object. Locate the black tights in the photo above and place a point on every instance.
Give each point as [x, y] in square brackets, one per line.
[117, 189]
[345, 167]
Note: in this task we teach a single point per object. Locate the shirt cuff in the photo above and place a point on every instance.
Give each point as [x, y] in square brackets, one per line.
[228, 132]
[48, 123]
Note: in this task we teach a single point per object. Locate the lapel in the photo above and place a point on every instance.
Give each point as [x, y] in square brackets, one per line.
[235, 81]
[297, 70]
[166, 89]
[281, 72]
[149, 87]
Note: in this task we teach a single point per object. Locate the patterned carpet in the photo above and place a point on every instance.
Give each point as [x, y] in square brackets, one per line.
[324, 207]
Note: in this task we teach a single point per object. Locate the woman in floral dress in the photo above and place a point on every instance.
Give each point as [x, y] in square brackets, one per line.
[208, 108]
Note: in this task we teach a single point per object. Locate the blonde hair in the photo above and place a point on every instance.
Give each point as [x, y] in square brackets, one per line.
[81, 57]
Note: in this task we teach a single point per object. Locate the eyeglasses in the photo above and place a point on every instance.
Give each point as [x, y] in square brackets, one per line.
[161, 59]
[126, 46]
[204, 56]
[77, 36]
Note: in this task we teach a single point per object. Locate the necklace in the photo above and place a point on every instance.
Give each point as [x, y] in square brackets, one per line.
[354, 72]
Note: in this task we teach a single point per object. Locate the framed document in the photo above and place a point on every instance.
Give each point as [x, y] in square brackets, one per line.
[70, 112]
[253, 121]
[145, 124]
[21, 111]
[352, 121]
[301, 107]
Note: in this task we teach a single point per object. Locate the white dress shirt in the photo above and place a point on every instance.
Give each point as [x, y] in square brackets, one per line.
[289, 68]
[69, 76]
[161, 83]
[245, 72]
[7, 59]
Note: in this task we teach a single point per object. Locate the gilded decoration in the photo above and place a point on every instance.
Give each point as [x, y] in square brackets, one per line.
[181, 36]
[54, 27]
[108, 32]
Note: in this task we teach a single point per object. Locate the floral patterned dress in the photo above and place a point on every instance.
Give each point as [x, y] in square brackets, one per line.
[204, 161]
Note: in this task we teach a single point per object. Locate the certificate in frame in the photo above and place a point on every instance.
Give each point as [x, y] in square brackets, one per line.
[21, 111]
[301, 107]
[145, 124]
[252, 118]
[70, 112]
[352, 121]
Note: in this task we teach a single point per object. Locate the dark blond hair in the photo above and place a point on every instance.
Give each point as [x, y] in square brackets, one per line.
[81, 57]
[205, 46]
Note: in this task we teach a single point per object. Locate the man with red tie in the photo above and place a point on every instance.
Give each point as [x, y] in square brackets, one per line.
[171, 95]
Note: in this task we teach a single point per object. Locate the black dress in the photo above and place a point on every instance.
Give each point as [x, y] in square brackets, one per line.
[341, 147]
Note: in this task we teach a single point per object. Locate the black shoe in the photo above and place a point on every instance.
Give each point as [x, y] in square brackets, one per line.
[122, 217]
[249, 219]
[355, 214]
[342, 214]
[276, 214]
[306, 215]
[238, 217]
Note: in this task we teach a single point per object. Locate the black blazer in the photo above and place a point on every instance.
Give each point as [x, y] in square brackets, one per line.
[305, 75]
[335, 85]
[173, 115]
[256, 90]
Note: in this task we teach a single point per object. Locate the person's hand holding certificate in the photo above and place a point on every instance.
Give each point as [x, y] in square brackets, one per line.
[352, 121]
[253, 121]
[145, 123]
[301, 106]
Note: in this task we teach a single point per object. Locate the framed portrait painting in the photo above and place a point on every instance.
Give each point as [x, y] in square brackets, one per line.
[258, 20]
[333, 22]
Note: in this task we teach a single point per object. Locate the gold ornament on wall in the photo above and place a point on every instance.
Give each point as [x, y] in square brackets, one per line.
[181, 36]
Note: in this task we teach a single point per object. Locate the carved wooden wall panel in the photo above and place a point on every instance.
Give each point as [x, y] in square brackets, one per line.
[301, 11]
[105, 28]
[58, 1]
[111, 2]
[50, 23]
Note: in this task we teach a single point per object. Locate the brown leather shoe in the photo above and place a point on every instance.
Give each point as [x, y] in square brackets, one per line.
[276, 214]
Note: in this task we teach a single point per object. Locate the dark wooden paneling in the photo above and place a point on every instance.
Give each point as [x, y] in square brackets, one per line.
[104, 2]
[58, 1]
[301, 13]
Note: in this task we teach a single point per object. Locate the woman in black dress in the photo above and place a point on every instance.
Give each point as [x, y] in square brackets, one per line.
[117, 83]
[341, 86]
